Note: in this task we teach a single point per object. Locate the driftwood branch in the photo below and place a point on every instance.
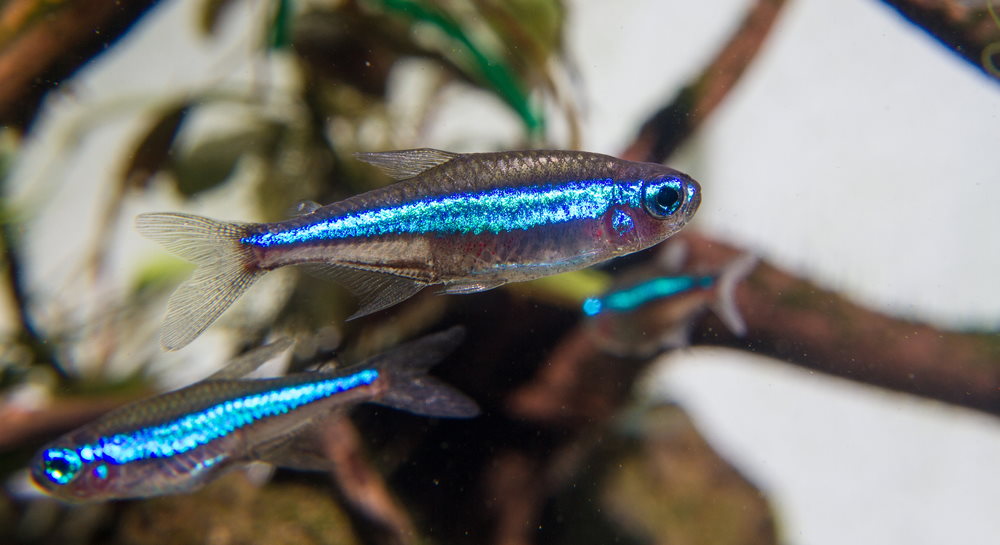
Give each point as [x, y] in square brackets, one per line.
[966, 28]
[43, 43]
[795, 321]
[664, 132]
[798, 322]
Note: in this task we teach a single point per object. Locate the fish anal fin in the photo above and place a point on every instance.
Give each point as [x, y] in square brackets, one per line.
[302, 451]
[470, 287]
[403, 164]
[375, 290]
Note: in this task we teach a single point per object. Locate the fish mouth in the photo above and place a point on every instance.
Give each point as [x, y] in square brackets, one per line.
[694, 199]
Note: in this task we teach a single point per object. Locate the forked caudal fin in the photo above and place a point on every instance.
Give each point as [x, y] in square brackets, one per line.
[225, 270]
[412, 389]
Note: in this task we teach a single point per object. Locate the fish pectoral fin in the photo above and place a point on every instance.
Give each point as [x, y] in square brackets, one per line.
[725, 304]
[470, 287]
[403, 164]
[374, 290]
[249, 362]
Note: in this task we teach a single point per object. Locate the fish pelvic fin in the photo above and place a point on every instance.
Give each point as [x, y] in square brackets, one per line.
[225, 269]
[725, 303]
[404, 164]
[412, 389]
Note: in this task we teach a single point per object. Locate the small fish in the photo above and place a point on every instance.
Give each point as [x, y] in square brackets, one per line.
[642, 317]
[178, 441]
[470, 222]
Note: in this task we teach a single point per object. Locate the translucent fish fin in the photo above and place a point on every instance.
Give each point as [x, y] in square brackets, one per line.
[305, 208]
[469, 287]
[374, 290]
[411, 389]
[302, 451]
[249, 362]
[225, 270]
[403, 164]
[725, 303]
[429, 396]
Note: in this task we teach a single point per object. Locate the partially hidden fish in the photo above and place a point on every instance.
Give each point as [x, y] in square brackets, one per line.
[470, 222]
[655, 310]
[178, 441]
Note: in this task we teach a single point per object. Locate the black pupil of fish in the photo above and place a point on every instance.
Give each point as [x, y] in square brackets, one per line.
[58, 465]
[666, 198]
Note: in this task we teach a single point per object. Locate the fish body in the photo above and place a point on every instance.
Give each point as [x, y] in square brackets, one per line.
[651, 311]
[467, 222]
[178, 441]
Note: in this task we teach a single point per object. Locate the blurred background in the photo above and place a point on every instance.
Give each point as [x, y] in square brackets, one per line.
[841, 142]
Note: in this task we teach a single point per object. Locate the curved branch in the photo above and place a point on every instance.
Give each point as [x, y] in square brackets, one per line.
[795, 321]
[49, 42]
[969, 31]
[664, 132]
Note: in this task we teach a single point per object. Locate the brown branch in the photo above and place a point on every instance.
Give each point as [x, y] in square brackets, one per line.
[795, 321]
[789, 319]
[967, 30]
[12, 280]
[362, 485]
[48, 42]
[672, 125]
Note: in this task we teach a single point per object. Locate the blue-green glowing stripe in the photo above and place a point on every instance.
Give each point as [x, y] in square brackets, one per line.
[629, 299]
[196, 429]
[494, 211]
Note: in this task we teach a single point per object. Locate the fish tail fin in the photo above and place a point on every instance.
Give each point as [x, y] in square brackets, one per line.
[412, 389]
[225, 269]
[725, 303]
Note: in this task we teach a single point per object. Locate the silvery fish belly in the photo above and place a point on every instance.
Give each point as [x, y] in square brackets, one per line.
[469, 222]
[178, 441]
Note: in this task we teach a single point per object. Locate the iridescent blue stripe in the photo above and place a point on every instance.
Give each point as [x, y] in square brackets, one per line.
[196, 429]
[629, 299]
[493, 211]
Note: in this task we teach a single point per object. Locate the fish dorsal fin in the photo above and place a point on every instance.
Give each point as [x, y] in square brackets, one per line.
[249, 362]
[305, 208]
[403, 164]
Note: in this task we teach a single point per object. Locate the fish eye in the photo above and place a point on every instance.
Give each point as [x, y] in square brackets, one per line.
[662, 198]
[61, 465]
